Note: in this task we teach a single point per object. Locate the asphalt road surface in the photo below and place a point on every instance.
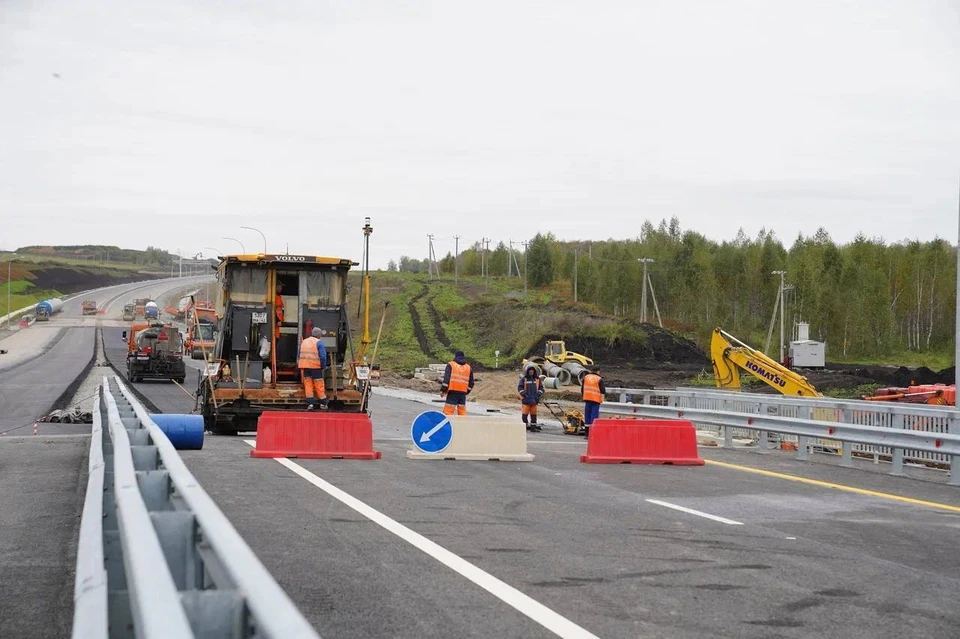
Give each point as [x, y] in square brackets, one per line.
[614, 551]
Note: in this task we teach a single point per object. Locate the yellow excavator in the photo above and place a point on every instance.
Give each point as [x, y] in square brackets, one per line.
[729, 355]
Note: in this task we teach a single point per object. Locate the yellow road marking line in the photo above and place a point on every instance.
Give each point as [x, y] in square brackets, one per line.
[844, 487]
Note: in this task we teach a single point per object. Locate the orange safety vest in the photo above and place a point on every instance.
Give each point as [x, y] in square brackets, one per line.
[591, 389]
[278, 307]
[309, 357]
[459, 377]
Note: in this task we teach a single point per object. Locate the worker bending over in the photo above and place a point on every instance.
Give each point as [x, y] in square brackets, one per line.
[530, 389]
[457, 384]
[311, 361]
[592, 389]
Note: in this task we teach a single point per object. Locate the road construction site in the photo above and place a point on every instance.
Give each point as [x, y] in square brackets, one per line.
[752, 544]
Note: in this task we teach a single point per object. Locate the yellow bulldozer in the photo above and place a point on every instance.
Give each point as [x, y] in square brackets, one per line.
[556, 352]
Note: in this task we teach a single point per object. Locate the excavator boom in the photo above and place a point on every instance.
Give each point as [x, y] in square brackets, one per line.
[730, 355]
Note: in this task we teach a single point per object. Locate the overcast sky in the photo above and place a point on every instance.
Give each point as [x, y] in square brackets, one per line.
[172, 123]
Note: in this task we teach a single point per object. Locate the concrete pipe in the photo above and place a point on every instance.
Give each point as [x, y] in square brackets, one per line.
[552, 383]
[552, 370]
[577, 371]
[185, 432]
[527, 363]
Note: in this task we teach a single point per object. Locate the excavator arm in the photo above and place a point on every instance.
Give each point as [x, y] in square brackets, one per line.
[730, 355]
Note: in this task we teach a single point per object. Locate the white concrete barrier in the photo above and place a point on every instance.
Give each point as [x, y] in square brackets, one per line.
[481, 438]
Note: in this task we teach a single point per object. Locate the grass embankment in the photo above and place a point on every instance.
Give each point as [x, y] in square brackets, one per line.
[428, 320]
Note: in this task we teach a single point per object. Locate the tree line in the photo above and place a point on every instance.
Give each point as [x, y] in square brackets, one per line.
[865, 298]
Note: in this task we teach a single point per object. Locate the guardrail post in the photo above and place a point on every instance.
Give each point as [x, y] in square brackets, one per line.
[727, 437]
[623, 398]
[846, 454]
[954, 478]
[897, 467]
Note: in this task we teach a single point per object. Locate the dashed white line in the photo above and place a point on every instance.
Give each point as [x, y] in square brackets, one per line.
[552, 621]
[698, 513]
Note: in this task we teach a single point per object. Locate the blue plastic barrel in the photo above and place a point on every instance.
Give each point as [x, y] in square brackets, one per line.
[185, 432]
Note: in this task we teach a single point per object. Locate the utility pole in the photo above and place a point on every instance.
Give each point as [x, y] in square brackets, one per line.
[430, 261]
[643, 293]
[9, 284]
[956, 337]
[456, 260]
[576, 254]
[782, 275]
[485, 262]
[510, 261]
[525, 244]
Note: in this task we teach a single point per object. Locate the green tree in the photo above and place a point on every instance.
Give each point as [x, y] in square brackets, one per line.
[540, 260]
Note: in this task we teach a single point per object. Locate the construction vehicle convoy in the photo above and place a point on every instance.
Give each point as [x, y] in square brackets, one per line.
[730, 356]
[89, 307]
[254, 360]
[155, 351]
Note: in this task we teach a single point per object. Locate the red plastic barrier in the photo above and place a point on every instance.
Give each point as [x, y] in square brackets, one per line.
[315, 435]
[642, 441]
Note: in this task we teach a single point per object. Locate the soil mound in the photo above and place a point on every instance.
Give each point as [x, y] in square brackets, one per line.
[662, 349]
[72, 280]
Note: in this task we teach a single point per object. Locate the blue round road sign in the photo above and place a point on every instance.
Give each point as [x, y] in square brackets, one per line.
[431, 431]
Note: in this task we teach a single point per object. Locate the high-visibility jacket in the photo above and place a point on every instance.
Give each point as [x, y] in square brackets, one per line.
[278, 307]
[591, 388]
[310, 352]
[459, 377]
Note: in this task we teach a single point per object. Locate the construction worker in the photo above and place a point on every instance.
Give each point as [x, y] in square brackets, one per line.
[530, 390]
[278, 310]
[592, 390]
[457, 384]
[311, 361]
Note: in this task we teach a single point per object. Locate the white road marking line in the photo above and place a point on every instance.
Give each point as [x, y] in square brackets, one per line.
[552, 621]
[698, 513]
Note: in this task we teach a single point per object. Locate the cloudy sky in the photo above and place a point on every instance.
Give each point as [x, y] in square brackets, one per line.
[173, 123]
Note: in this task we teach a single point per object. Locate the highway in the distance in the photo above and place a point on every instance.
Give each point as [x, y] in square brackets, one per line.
[404, 548]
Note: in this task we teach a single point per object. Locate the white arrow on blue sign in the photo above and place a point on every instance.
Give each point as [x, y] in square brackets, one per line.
[431, 431]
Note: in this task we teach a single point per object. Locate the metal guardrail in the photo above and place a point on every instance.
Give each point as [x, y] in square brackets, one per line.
[902, 432]
[156, 557]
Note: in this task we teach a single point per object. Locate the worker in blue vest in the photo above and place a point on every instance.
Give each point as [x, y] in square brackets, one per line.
[530, 390]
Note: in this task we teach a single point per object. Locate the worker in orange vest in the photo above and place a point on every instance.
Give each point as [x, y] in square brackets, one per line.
[311, 361]
[278, 310]
[592, 389]
[457, 384]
